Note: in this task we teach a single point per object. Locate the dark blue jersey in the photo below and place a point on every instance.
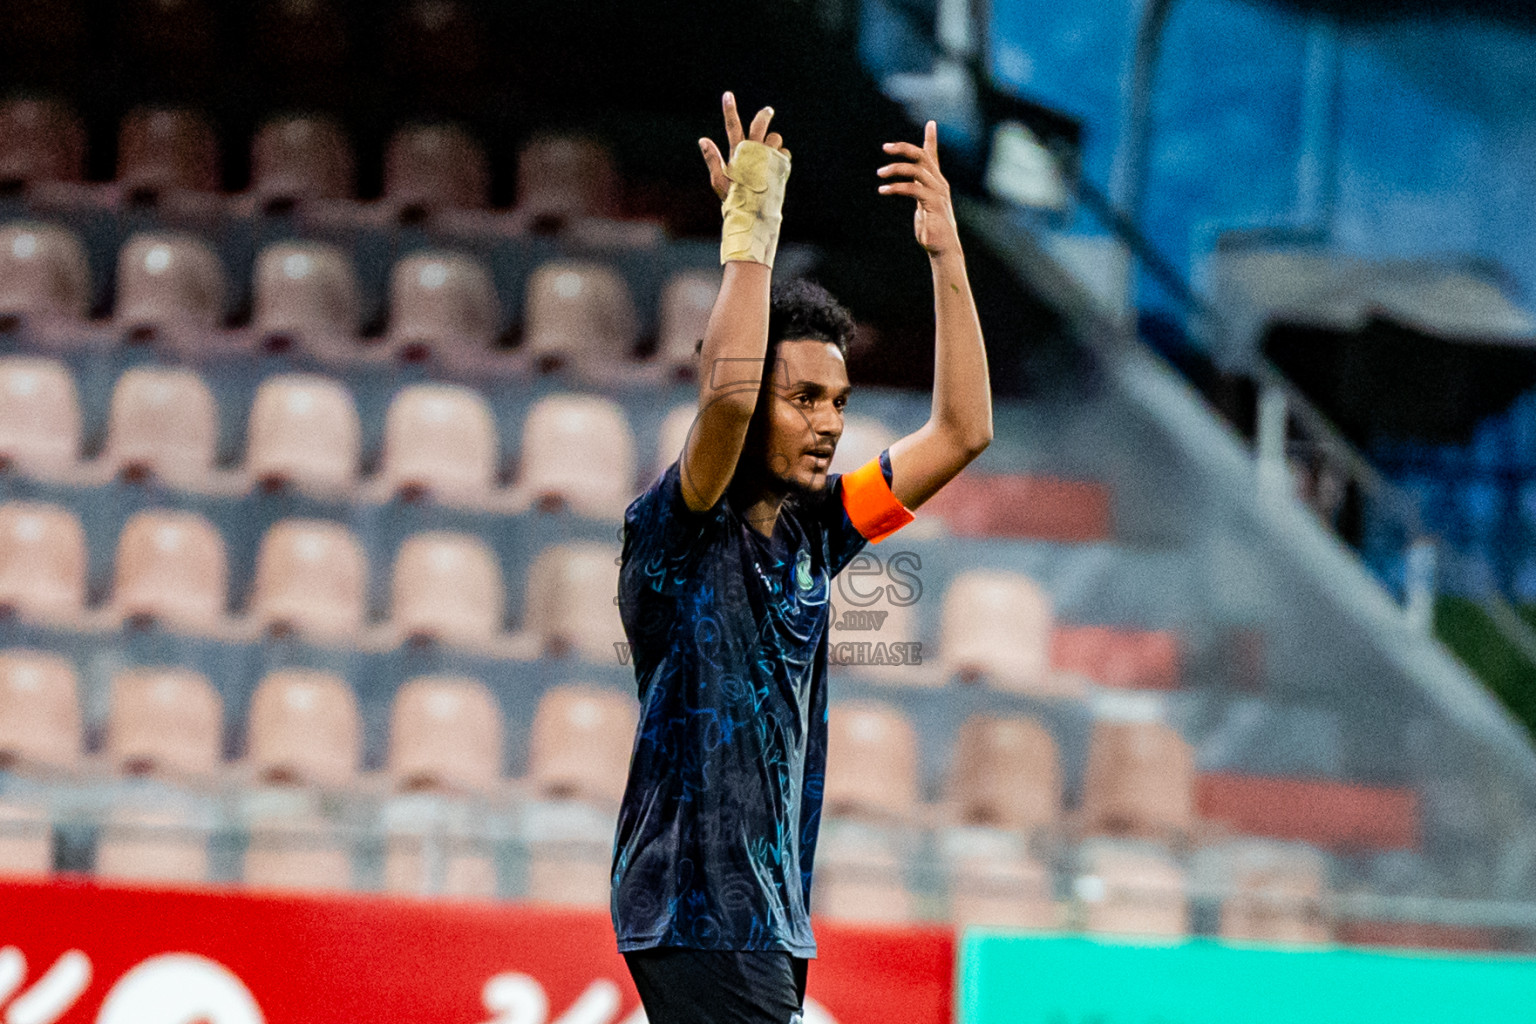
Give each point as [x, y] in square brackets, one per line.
[728, 635]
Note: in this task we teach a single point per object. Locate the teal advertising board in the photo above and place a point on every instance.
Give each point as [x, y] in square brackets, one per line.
[1014, 979]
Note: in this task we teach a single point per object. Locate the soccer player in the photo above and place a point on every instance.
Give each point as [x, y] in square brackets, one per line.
[727, 567]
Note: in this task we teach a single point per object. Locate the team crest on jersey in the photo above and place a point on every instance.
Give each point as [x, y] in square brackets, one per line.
[803, 578]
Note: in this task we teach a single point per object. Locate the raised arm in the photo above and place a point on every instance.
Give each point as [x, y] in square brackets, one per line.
[751, 188]
[959, 426]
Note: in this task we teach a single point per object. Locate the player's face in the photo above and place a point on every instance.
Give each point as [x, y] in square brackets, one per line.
[805, 417]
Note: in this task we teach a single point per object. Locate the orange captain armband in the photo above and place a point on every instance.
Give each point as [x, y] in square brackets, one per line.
[875, 512]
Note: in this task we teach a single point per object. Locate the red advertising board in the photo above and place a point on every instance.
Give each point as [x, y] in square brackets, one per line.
[82, 953]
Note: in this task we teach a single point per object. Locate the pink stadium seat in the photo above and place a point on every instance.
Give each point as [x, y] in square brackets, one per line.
[172, 569]
[297, 850]
[440, 440]
[556, 877]
[447, 587]
[164, 721]
[569, 606]
[1321, 812]
[311, 578]
[163, 425]
[673, 436]
[306, 298]
[1012, 505]
[304, 729]
[580, 744]
[1131, 889]
[860, 877]
[168, 286]
[435, 166]
[1140, 781]
[162, 149]
[871, 762]
[580, 315]
[993, 883]
[26, 840]
[1276, 893]
[1006, 773]
[577, 451]
[864, 438]
[570, 853]
[40, 724]
[445, 734]
[39, 416]
[563, 178]
[151, 846]
[42, 562]
[874, 636]
[43, 274]
[1118, 657]
[441, 301]
[298, 158]
[997, 626]
[304, 432]
[40, 140]
[686, 302]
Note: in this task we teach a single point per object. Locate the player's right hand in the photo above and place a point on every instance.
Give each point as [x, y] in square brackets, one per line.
[756, 132]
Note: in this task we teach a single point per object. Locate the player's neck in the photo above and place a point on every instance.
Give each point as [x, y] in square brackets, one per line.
[758, 504]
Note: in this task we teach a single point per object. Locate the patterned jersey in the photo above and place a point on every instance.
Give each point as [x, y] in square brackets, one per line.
[728, 636]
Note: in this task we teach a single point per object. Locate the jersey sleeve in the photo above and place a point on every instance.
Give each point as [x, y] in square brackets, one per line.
[864, 510]
[663, 537]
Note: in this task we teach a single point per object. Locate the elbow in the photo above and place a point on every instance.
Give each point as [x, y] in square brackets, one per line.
[975, 444]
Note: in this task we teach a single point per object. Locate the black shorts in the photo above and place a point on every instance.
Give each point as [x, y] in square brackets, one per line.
[702, 986]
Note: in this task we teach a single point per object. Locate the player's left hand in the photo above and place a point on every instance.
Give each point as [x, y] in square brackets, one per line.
[934, 222]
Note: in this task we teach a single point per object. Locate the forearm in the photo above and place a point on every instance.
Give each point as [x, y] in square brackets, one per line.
[736, 339]
[962, 390]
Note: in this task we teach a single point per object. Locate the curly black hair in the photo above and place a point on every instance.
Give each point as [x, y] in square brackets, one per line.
[802, 310]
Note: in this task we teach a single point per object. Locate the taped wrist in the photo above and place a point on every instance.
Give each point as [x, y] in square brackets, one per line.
[752, 210]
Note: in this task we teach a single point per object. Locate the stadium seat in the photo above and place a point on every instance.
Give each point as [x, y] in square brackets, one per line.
[860, 875]
[447, 587]
[1128, 888]
[306, 299]
[42, 562]
[440, 441]
[671, 438]
[994, 883]
[39, 417]
[863, 438]
[874, 636]
[1134, 659]
[686, 302]
[445, 735]
[304, 729]
[40, 140]
[311, 579]
[440, 302]
[169, 288]
[871, 762]
[290, 845]
[580, 316]
[40, 723]
[580, 745]
[997, 626]
[304, 432]
[44, 276]
[151, 846]
[1140, 781]
[164, 722]
[568, 603]
[1275, 893]
[299, 158]
[564, 178]
[1006, 773]
[163, 425]
[26, 840]
[431, 848]
[429, 167]
[576, 451]
[164, 149]
[172, 570]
